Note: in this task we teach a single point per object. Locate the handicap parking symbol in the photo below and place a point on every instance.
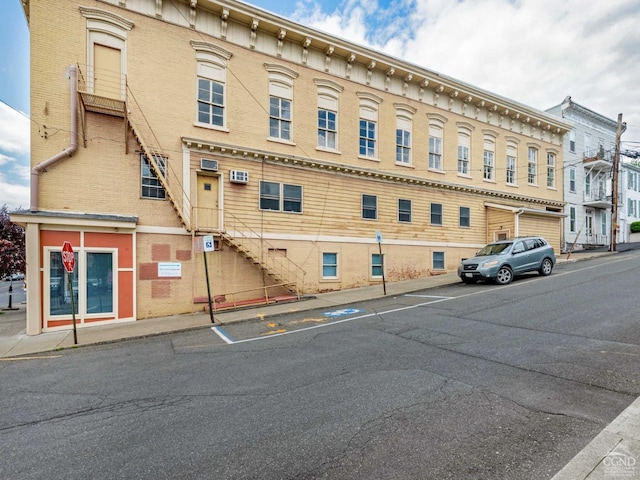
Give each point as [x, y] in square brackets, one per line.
[341, 312]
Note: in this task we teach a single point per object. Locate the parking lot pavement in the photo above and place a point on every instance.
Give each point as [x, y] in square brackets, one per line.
[612, 454]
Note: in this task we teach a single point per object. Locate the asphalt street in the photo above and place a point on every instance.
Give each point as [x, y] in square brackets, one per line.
[462, 381]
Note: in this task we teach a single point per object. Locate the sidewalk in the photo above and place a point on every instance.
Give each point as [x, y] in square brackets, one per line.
[612, 454]
[14, 342]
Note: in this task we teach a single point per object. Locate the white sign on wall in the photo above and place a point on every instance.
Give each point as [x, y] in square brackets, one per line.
[169, 269]
[208, 243]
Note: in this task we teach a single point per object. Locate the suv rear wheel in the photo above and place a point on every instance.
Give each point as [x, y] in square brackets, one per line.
[545, 267]
[504, 276]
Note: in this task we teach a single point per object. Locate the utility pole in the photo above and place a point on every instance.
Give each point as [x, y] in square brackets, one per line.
[614, 200]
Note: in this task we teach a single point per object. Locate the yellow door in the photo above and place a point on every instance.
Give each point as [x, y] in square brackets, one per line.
[207, 209]
[107, 77]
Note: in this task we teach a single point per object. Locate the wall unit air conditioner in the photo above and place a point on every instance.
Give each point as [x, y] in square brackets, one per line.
[210, 165]
[239, 176]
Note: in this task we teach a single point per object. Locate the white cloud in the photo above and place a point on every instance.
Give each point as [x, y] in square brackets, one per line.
[4, 159]
[535, 52]
[15, 195]
[14, 131]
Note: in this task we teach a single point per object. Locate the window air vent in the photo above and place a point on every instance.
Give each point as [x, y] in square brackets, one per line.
[206, 164]
[239, 176]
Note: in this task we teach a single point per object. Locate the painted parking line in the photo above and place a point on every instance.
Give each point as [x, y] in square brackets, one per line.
[223, 335]
[426, 296]
[229, 339]
[16, 359]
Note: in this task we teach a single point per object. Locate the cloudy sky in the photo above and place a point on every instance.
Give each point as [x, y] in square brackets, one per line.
[533, 51]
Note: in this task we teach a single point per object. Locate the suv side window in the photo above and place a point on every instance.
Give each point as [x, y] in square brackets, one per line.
[519, 247]
[531, 244]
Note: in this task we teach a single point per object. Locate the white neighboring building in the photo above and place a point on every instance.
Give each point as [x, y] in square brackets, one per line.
[588, 162]
[629, 210]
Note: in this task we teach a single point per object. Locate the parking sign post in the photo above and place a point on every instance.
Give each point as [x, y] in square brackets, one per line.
[379, 240]
[69, 263]
[208, 246]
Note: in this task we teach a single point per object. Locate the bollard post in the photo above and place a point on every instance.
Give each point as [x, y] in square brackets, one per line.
[10, 307]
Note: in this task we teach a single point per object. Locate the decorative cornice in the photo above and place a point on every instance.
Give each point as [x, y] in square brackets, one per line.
[580, 111]
[211, 48]
[323, 82]
[277, 68]
[106, 16]
[234, 151]
[283, 30]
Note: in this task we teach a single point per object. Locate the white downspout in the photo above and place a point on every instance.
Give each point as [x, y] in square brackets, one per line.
[72, 72]
[517, 226]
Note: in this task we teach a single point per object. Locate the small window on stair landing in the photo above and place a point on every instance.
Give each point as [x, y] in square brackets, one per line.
[151, 186]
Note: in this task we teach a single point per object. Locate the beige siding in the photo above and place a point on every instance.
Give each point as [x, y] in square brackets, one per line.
[549, 228]
[103, 176]
[500, 222]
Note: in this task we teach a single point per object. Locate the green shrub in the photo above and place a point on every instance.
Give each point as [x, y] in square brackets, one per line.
[635, 227]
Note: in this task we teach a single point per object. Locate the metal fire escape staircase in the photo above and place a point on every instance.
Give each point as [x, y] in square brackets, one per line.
[271, 260]
[240, 237]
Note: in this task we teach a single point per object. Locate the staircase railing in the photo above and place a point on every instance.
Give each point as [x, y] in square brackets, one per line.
[235, 233]
[158, 160]
[263, 254]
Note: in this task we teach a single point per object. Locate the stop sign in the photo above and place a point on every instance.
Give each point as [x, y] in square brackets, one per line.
[68, 259]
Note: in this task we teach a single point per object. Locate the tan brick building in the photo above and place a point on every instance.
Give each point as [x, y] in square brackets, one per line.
[158, 124]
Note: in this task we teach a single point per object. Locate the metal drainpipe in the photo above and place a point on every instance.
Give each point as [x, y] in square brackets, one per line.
[72, 72]
[518, 213]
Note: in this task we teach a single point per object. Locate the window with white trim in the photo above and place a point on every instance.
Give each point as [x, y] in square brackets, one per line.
[572, 141]
[368, 127]
[211, 102]
[438, 260]
[377, 265]
[327, 129]
[572, 180]
[151, 186]
[551, 170]
[280, 102]
[435, 147]
[404, 210]
[587, 144]
[532, 166]
[280, 197]
[328, 102]
[511, 169]
[329, 265]
[488, 156]
[632, 181]
[436, 214]
[572, 219]
[403, 146]
[93, 281]
[369, 207]
[464, 144]
[367, 138]
[211, 73]
[464, 148]
[279, 118]
[512, 162]
[404, 124]
[465, 217]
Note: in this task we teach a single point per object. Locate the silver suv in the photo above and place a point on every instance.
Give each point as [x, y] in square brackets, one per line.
[500, 261]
